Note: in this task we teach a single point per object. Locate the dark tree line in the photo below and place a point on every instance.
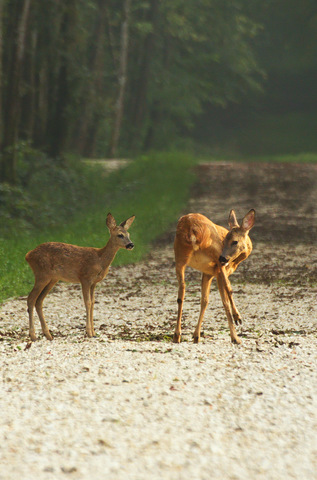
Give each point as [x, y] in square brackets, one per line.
[102, 77]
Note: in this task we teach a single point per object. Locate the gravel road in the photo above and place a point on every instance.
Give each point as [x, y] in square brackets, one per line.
[131, 405]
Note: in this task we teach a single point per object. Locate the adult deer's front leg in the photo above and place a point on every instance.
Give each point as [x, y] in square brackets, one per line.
[180, 272]
[227, 284]
[235, 312]
[205, 290]
[223, 286]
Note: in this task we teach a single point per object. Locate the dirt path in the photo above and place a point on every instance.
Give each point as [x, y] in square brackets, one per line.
[129, 404]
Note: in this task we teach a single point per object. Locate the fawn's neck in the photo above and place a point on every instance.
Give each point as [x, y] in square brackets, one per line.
[108, 253]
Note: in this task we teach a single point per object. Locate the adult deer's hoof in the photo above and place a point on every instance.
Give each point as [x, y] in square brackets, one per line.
[48, 335]
[237, 320]
[236, 341]
[33, 337]
[177, 338]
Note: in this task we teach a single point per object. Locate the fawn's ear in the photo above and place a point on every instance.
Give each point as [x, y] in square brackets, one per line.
[111, 223]
[248, 220]
[232, 220]
[127, 223]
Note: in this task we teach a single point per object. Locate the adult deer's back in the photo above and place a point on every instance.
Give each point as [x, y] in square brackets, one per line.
[216, 252]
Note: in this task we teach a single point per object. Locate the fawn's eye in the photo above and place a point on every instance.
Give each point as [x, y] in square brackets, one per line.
[121, 235]
[234, 242]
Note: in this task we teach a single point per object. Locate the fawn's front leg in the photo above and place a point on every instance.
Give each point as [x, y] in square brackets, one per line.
[92, 299]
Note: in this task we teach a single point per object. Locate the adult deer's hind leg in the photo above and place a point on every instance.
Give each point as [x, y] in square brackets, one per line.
[180, 273]
[39, 309]
[205, 290]
[227, 306]
[183, 254]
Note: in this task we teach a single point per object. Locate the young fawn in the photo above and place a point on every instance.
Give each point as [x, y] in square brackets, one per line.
[54, 261]
[216, 252]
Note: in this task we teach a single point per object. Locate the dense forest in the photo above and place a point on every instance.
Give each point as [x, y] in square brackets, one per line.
[107, 77]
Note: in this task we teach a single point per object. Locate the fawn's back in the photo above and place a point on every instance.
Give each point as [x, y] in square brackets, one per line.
[62, 261]
[55, 261]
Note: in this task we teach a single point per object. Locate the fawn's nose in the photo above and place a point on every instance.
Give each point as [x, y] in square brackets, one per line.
[223, 260]
[130, 246]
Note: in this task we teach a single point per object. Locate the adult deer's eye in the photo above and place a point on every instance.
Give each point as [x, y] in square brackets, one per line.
[121, 235]
[234, 242]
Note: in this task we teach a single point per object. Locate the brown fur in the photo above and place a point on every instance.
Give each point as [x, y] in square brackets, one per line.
[199, 243]
[54, 261]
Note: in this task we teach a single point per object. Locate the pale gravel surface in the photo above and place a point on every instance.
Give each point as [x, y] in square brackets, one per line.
[129, 404]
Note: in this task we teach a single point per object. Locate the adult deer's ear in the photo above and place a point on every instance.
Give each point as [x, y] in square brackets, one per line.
[127, 223]
[232, 220]
[110, 222]
[248, 220]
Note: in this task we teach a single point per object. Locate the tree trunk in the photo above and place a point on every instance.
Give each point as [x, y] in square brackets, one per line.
[139, 112]
[59, 127]
[29, 104]
[122, 80]
[90, 119]
[9, 157]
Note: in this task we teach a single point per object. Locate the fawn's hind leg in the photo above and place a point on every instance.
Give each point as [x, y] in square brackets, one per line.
[39, 286]
[38, 306]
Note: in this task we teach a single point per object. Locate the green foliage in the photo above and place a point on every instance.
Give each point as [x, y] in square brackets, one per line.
[15, 208]
[47, 193]
[200, 53]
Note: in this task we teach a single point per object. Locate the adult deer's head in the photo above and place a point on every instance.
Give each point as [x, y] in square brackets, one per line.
[236, 241]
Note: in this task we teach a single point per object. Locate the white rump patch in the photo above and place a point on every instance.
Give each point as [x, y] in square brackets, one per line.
[193, 240]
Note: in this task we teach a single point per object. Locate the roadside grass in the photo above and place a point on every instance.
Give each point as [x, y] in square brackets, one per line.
[154, 187]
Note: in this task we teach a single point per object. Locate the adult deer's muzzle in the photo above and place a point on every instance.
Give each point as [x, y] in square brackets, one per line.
[223, 260]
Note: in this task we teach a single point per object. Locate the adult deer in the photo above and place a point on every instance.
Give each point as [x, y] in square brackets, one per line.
[54, 261]
[216, 252]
